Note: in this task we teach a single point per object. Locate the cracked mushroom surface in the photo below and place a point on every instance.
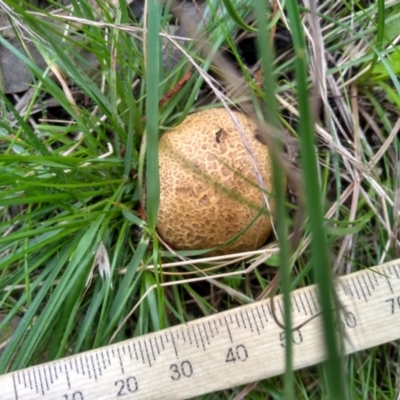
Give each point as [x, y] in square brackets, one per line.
[208, 189]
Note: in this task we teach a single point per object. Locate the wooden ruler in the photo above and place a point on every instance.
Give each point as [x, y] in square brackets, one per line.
[221, 351]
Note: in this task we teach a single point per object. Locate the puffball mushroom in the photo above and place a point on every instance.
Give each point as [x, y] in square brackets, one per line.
[208, 188]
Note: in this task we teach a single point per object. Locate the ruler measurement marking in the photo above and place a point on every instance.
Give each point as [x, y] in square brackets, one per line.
[34, 381]
[190, 337]
[195, 337]
[394, 266]
[254, 318]
[130, 352]
[158, 347]
[34, 377]
[51, 375]
[369, 293]
[136, 354]
[86, 363]
[295, 302]
[280, 309]
[141, 352]
[94, 368]
[237, 321]
[30, 382]
[40, 381]
[215, 325]
[120, 361]
[108, 358]
[255, 321]
[88, 367]
[396, 271]
[103, 359]
[68, 381]
[152, 350]
[45, 379]
[83, 368]
[98, 363]
[370, 281]
[375, 278]
[318, 301]
[162, 342]
[155, 341]
[244, 323]
[248, 319]
[173, 342]
[367, 286]
[310, 293]
[15, 388]
[25, 381]
[55, 370]
[211, 331]
[388, 281]
[45, 384]
[259, 317]
[308, 303]
[201, 336]
[183, 336]
[269, 310]
[205, 332]
[229, 331]
[355, 288]
[265, 314]
[303, 306]
[349, 288]
[362, 289]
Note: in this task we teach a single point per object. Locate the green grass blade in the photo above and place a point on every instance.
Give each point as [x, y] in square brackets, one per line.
[152, 132]
[231, 8]
[322, 271]
[269, 85]
[152, 99]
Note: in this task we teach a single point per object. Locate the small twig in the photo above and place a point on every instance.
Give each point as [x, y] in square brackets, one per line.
[171, 93]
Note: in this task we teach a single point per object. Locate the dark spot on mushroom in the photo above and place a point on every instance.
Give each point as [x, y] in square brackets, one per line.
[218, 135]
[259, 137]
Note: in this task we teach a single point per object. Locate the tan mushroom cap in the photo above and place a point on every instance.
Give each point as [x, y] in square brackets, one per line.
[208, 189]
